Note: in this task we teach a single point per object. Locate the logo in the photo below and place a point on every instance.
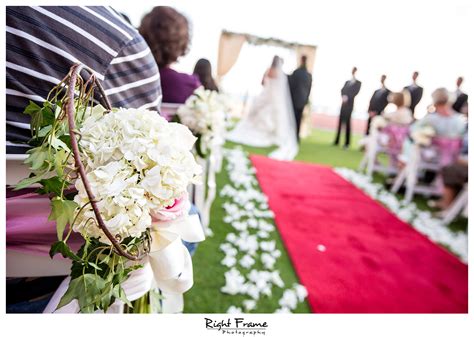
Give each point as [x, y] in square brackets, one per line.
[237, 326]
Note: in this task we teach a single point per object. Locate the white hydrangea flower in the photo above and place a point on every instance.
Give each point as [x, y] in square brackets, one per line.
[289, 299]
[300, 291]
[234, 282]
[247, 261]
[268, 260]
[283, 310]
[249, 304]
[205, 114]
[137, 164]
[229, 261]
[234, 310]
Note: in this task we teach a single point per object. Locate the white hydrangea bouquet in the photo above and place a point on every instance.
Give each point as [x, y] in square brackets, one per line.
[131, 169]
[205, 112]
[423, 135]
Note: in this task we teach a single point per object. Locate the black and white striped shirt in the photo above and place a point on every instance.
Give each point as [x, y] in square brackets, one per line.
[42, 43]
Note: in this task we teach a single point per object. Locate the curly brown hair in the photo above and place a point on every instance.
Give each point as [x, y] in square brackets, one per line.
[167, 33]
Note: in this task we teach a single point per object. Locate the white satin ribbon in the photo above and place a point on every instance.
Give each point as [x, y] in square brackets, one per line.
[168, 266]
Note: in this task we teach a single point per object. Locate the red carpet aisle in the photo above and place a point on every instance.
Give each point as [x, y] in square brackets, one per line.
[352, 254]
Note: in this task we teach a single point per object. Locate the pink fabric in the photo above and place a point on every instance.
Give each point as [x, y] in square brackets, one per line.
[397, 135]
[448, 149]
[351, 253]
[28, 229]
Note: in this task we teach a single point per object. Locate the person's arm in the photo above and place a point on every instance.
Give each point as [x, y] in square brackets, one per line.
[309, 90]
[132, 79]
[344, 96]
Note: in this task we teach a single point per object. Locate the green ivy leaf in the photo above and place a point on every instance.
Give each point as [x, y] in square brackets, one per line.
[36, 158]
[107, 296]
[40, 116]
[47, 112]
[44, 131]
[59, 161]
[28, 182]
[63, 248]
[51, 185]
[86, 289]
[58, 144]
[32, 108]
[93, 265]
[62, 211]
[120, 294]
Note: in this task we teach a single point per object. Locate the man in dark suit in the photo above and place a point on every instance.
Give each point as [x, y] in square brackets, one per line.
[460, 104]
[415, 91]
[348, 93]
[378, 102]
[300, 87]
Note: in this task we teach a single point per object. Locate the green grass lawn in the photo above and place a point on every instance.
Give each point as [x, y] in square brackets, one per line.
[205, 296]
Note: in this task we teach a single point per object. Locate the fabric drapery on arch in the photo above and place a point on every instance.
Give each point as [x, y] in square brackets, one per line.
[231, 43]
[229, 50]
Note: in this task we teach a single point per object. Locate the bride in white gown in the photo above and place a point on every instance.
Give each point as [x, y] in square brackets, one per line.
[271, 120]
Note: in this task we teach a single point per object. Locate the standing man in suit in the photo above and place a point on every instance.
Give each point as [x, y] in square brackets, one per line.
[348, 93]
[378, 102]
[415, 91]
[300, 87]
[460, 104]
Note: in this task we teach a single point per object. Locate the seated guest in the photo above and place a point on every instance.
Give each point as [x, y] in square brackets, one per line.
[444, 122]
[454, 177]
[38, 59]
[167, 33]
[203, 71]
[402, 115]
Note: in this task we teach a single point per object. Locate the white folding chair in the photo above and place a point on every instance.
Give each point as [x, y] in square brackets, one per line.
[387, 140]
[442, 152]
[168, 110]
[458, 206]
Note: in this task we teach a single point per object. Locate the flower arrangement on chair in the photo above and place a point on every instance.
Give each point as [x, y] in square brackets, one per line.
[118, 177]
[205, 114]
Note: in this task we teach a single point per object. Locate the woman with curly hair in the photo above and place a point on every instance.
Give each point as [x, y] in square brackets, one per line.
[168, 35]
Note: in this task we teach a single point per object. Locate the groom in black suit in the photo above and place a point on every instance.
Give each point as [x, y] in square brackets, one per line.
[348, 93]
[300, 87]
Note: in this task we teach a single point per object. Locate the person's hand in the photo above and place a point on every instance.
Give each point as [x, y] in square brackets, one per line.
[344, 98]
[372, 114]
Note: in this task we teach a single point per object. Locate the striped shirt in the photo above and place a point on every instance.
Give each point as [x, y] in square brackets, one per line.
[42, 43]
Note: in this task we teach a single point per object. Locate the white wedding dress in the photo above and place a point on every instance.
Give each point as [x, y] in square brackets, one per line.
[271, 120]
